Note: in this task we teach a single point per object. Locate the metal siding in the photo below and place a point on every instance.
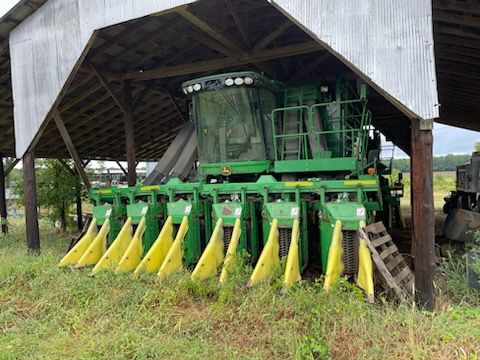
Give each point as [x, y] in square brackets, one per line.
[46, 47]
[390, 42]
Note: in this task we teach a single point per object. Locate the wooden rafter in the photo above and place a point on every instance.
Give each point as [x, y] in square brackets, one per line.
[71, 148]
[9, 169]
[301, 73]
[267, 40]
[211, 30]
[122, 168]
[210, 65]
[109, 88]
[240, 22]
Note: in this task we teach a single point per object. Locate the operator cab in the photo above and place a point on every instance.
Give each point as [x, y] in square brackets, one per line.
[232, 115]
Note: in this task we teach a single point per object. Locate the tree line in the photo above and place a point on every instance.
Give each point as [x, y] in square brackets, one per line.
[440, 163]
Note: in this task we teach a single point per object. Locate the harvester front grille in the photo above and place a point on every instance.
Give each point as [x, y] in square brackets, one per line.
[350, 252]
[227, 237]
[284, 238]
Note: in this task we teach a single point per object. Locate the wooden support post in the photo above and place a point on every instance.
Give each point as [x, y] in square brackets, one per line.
[423, 220]
[129, 135]
[71, 148]
[3, 199]
[30, 203]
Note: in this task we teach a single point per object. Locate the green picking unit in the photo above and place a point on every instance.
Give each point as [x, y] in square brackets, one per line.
[284, 171]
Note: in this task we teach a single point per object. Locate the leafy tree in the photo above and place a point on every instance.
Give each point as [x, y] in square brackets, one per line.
[57, 189]
[440, 163]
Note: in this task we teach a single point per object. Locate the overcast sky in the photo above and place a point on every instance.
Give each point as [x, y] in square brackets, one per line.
[6, 5]
[447, 140]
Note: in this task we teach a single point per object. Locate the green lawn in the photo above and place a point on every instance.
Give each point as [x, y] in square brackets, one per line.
[48, 313]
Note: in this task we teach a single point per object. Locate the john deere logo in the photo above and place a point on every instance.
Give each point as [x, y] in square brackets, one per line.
[226, 170]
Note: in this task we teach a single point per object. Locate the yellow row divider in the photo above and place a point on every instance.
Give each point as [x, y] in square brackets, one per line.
[97, 248]
[76, 252]
[292, 270]
[334, 263]
[114, 254]
[213, 255]
[158, 252]
[269, 258]
[365, 268]
[132, 257]
[174, 259]
[231, 256]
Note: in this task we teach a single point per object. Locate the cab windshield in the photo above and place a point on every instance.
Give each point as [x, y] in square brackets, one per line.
[231, 125]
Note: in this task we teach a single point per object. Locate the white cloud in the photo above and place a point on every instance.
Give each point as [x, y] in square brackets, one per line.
[448, 140]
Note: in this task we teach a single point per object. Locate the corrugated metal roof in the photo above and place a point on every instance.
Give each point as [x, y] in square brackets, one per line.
[387, 42]
[91, 114]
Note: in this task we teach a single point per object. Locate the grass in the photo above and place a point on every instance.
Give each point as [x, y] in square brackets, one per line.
[49, 313]
[443, 184]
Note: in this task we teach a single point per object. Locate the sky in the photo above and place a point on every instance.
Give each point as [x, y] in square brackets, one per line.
[450, 140]
[446, 139]
[6, 5]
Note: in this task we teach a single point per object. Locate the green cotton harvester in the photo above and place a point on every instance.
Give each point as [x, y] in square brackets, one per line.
[286, 173]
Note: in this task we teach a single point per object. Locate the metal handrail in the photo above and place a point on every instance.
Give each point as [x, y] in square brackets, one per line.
[359, 138]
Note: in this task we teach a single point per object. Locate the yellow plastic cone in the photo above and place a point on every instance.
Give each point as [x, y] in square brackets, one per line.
[132, 257]
[292, 269]
[174, 260]
[158, 252]
[365, 268]
[269, 258]
[334, 263]
[231, 256]
[97, 247]
[75, 253]
[212, 257]
[114, 254]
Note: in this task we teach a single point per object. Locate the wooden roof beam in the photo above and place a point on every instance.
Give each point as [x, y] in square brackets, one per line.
[455, 5]
[210, 65]
[71, 148]
[217, 34]
[448, 17]
[301, 73]
[267, 40]
[240, 22]
[120, 102]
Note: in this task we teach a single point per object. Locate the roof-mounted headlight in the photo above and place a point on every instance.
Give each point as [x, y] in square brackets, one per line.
[239, 81]
[197, 87]
[190, 89]
[248, 80]
[229, 82]
[185, 91]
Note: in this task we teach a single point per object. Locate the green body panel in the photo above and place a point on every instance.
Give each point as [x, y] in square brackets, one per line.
[178, 209]
[192, 242]
[284, 211]
[349, 213]
[142, 209]
[327, 164]
[228, 211]
[235, 168]
[102, 212]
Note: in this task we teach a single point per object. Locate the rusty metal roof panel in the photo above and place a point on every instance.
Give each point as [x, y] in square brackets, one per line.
[387, 42]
